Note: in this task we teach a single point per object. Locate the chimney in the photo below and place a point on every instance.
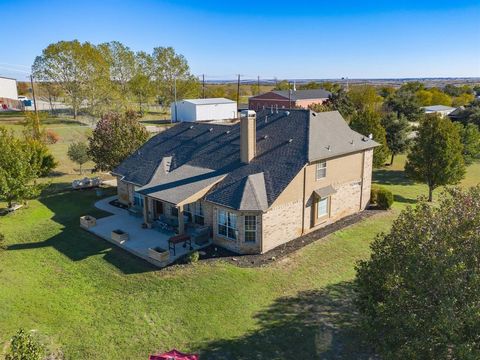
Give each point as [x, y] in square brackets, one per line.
[248, 135]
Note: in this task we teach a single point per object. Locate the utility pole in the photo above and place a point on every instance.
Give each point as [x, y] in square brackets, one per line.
[203, 86]
[289, 95]
[37, 120]
[175, 97]
[258, 84]
[238, 90]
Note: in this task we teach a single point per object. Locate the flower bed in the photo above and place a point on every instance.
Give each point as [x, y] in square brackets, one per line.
[119, 236]
[159, 254]
[87, 221]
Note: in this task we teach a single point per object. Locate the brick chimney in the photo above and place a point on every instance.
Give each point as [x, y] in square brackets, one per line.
[248, 135]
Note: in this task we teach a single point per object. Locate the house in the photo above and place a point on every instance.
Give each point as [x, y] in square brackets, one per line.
[442, 110]
[288, 99]
[203, 109]
[258, 183]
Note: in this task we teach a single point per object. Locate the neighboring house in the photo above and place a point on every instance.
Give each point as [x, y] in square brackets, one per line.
[442, 110]
[258, 183]
[288, 99]
[203, 109]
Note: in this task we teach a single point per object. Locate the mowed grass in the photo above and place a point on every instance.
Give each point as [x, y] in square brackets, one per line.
[95, 301]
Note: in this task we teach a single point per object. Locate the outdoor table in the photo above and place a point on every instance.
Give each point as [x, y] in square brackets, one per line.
[177, 239]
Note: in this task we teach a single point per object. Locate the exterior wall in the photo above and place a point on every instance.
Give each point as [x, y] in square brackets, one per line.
[367, 178]
[271, 99]
[305, 103]
[8, 88]
[125, 191]
[239, 245]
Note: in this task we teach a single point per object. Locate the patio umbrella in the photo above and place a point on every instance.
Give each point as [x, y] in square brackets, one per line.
[173, 355]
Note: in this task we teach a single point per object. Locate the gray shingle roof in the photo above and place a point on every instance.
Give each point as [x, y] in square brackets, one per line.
[286, 142]
[304, 94]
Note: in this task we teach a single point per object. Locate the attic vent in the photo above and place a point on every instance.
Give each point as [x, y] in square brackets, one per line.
[191, 127]
[227, 132]
[211, 129]
[365, 139]
[290, 140]
[265, 137]
[329, 148]
[351, 142]
[287, 113]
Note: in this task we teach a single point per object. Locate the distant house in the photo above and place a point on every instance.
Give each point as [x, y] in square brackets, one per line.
[203, 109]
[255, 184]
[442, 110]
[288, 99]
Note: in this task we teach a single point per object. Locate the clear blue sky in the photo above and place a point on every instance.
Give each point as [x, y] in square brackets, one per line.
[294, 39]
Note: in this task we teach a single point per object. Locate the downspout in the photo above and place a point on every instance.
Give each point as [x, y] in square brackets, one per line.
[361, 181]
[303, 199]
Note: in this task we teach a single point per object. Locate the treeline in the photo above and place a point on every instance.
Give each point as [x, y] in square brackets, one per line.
[110, 76]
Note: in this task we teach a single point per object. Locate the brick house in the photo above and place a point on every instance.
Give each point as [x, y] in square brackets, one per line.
[286, 99]
[258, 183]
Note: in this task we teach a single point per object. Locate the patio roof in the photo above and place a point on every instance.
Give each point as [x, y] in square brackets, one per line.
[183, 185]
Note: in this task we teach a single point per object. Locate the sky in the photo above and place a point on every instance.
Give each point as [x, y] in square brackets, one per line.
[287, 40]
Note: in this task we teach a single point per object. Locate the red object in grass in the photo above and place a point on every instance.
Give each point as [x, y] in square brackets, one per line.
[174, 355]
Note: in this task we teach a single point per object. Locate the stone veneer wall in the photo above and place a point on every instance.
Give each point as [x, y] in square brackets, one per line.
[125, 191]
[367, 178]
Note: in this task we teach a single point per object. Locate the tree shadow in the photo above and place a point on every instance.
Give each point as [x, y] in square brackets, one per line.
[403, 199]
[76, 243]
[319, 324]
[391, 177]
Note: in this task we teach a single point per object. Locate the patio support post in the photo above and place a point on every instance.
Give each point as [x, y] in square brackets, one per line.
[145, 209]
[181, 225]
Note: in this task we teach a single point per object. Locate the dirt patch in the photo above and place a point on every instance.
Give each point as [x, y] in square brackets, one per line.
[215, 253]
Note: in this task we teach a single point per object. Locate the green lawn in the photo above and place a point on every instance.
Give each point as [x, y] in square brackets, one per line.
[95, 301]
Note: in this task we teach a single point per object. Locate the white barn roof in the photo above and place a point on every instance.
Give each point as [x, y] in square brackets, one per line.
[209, 101]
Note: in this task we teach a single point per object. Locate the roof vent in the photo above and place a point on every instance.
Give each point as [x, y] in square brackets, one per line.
[211, 129]
[265, 137]
[314, 114]
[287, 113]
[191, 127]
[329, 148]
[370, 136]
[290, 140]
[227, 132]
[351, 142]
[364, 139]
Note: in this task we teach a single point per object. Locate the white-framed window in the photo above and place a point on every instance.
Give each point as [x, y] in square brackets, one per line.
[321, 170]
[250, 228]
[187, 211]
[322, 207]
[227, 224]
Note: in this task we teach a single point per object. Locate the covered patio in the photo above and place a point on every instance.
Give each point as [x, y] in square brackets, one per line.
[140, 241]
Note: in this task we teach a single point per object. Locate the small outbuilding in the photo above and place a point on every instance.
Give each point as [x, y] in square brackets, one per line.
[189, 110]
[442, 110]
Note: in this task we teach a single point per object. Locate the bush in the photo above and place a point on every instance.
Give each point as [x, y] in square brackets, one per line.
[192, 258]
[381, 197]
[24, 346]
[2, 239]
[51, 137]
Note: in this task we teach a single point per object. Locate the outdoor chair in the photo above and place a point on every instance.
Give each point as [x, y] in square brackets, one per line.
[201, 235]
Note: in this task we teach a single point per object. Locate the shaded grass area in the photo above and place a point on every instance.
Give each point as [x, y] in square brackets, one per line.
[96, 301]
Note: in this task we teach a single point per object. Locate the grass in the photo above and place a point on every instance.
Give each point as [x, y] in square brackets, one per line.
[95, 301]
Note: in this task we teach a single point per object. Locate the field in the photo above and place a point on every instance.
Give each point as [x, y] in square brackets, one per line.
[95, 301]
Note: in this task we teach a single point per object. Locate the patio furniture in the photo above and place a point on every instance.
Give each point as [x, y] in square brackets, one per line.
[119, 236]
[200, 235]
[177, 239]
[87, 221]
[167, 224]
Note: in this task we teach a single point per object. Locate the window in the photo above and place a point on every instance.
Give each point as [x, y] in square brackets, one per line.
[250, 228]
[322, 207]
[199, 218]
[173, 211]
[187, 211]
[227, 224]
[321, 170]
[138, 200]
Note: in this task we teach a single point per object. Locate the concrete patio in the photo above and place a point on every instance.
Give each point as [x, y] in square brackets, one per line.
[140, 239]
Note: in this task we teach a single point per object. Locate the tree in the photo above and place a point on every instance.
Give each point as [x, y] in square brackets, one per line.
[17, 170]
[364, 97]
[470, 137]
[463, 99]
[436, 156]
[341, 102]
[142, 89]
[369, 122]
[78, 153]
[397, 130]
[282, 85]
[332, 87]
[440, 98]
[115, 137]
[40, 157]
[404, 103]
[418, 294]
[24, 346]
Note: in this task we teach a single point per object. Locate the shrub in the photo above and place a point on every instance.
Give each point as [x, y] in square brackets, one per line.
[51, 137]
[192, 258]
[24, 346]
[381, 197]
[2, 239]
